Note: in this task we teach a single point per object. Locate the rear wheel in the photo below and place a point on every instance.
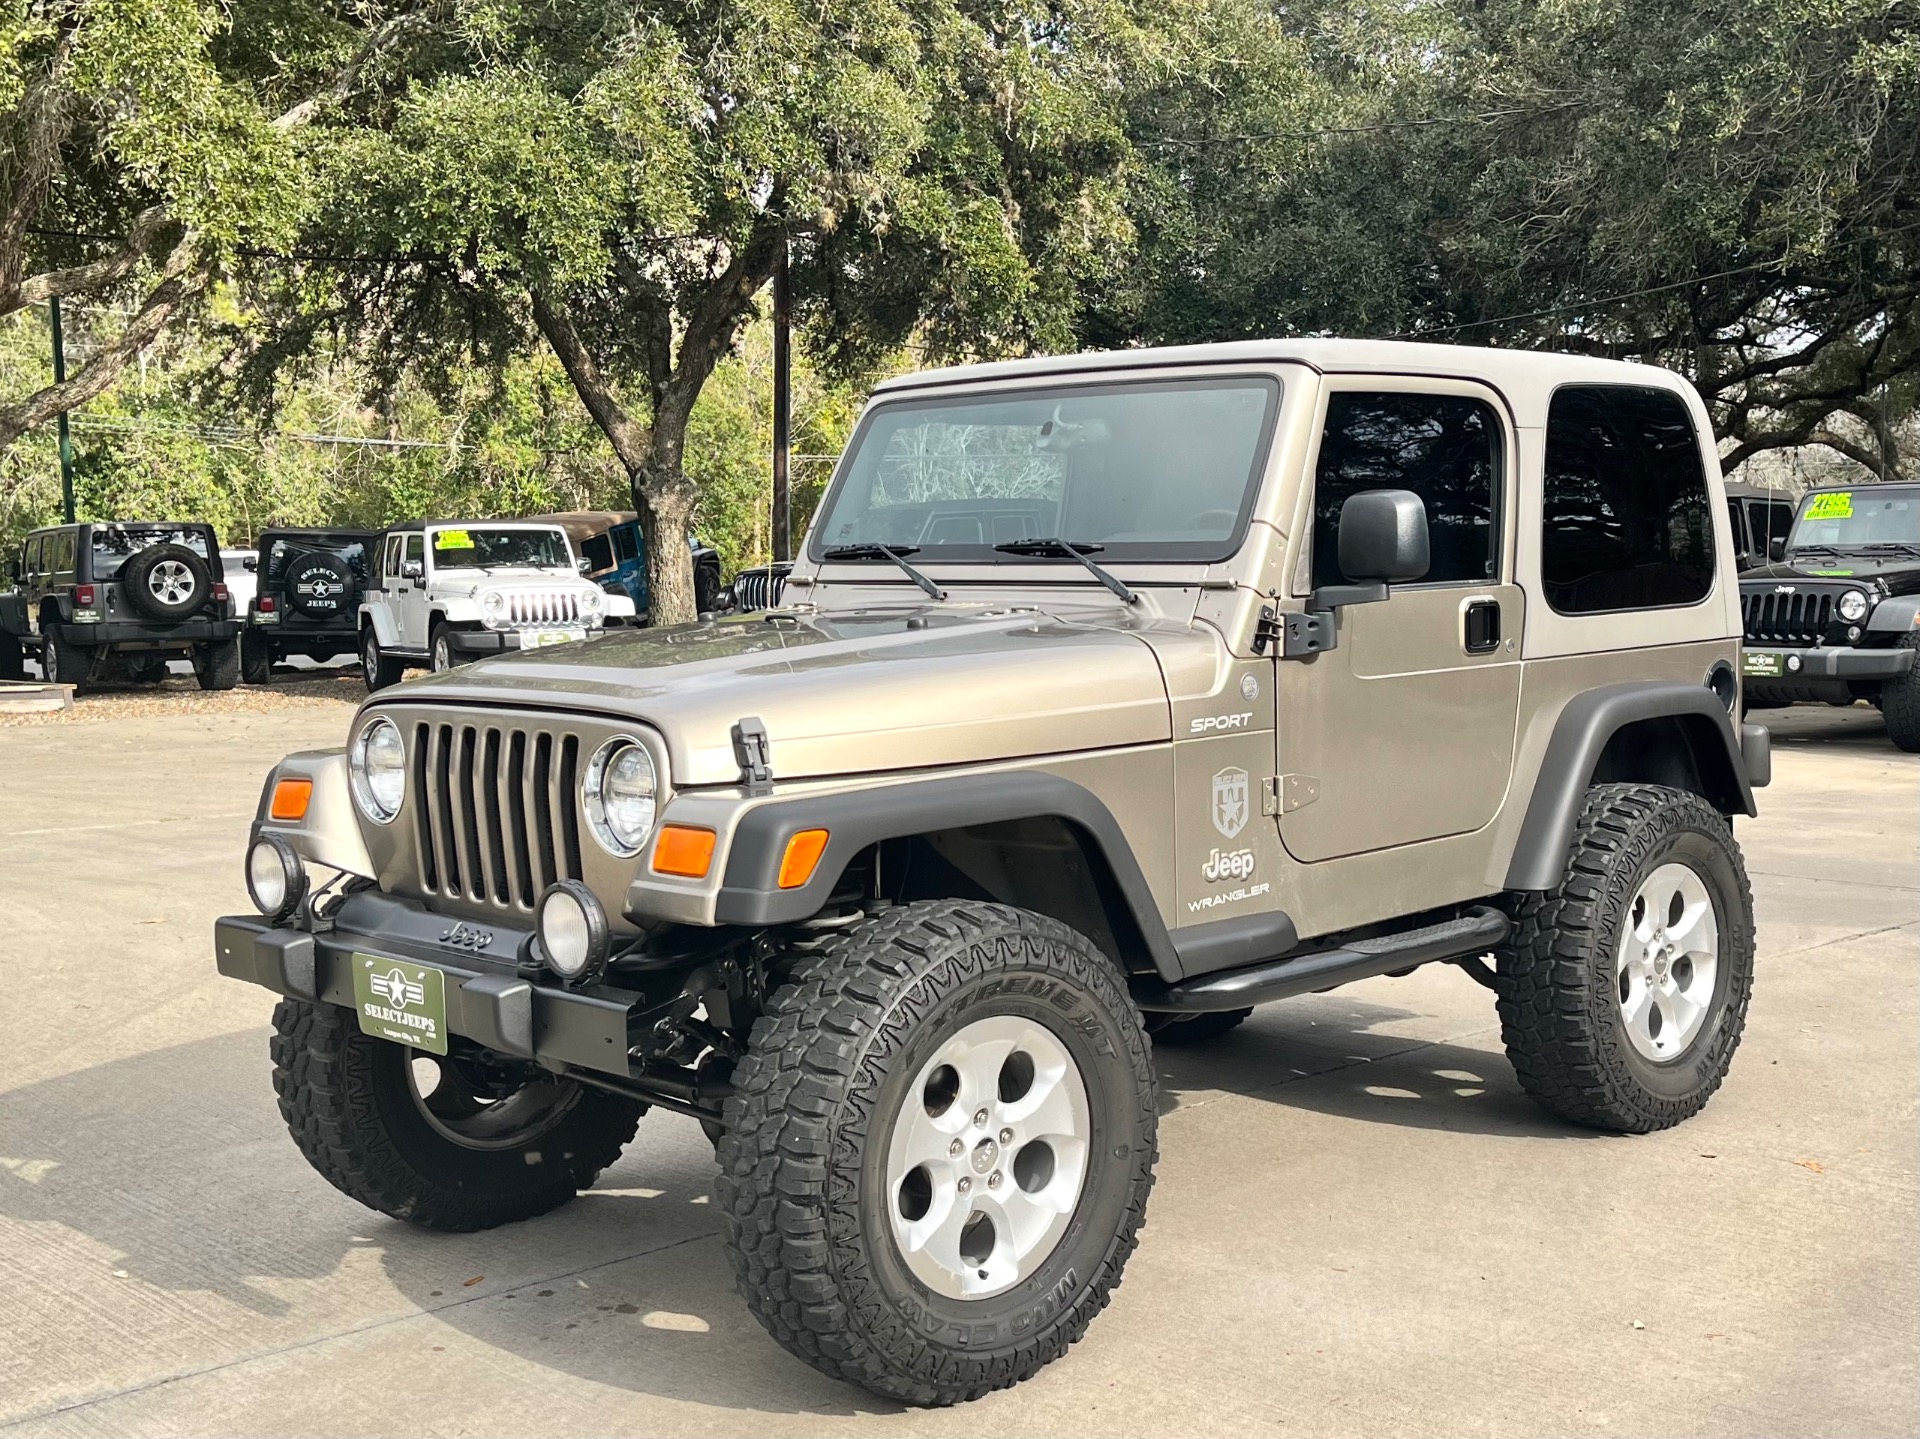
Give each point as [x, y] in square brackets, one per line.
[62, 663]
[216, 664]
[256, 659]
[13, 658]
[1900, 701]
[377, 667]
[1623, 992]
[465, 1142]
[939, 1149]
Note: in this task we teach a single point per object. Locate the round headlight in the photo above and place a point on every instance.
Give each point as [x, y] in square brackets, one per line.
[1853, 605]
[593, 604]
[619, 793]
[377, 765]
[276, 880]
[493, 608]
[573, 931]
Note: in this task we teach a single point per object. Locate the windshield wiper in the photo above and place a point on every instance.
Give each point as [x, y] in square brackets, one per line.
[1907, 545]
[895, 553]
[1068, 551]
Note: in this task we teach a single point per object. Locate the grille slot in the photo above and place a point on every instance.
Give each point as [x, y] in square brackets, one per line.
[543, 607]
[495, 815]
[760, 588]
[1800, 618]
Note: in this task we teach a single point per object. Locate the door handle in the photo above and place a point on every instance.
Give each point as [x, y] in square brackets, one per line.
[1482, 635]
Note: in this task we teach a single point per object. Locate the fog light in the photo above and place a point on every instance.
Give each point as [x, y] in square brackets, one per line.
[1853, 632]
[1793, 664]
[276, 880]
[572, 929]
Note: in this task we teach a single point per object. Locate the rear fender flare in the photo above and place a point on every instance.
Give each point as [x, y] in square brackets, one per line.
[380, 619]
[1580, 738]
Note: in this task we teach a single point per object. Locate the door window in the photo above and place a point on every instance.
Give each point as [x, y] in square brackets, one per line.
[1445, 448]
[624, 544]
[1627, 522]
[31, 555]
[416, 551]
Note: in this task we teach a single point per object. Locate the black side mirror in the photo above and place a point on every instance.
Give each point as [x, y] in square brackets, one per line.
[1383, 537]
[251, 564]
[1777, 549]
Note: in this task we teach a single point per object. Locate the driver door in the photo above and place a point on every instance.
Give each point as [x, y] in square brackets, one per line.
[1405, 731]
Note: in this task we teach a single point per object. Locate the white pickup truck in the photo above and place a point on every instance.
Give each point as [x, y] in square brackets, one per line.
[443, 592]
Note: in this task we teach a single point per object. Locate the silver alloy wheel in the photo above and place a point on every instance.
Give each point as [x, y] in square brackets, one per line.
[988, 1157]
[171, 582]
[1667, 962]
[475, 1121]
[370, 660]
[442, 653]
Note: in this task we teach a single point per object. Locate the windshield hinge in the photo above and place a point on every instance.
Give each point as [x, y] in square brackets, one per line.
[754, 752]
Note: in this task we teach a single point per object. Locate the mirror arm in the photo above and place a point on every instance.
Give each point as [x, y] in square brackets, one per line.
[1316, 629]
[1332, 597]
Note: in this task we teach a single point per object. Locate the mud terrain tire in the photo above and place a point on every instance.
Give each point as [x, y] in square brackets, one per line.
[831, 1071]
[1561, 1011]
[347, 1099]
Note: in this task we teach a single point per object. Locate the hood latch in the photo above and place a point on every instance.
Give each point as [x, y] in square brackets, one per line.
[754, 753]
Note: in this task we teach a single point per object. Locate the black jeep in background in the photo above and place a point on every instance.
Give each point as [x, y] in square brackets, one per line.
[308, 599]
[1833, 615]
[118, 600]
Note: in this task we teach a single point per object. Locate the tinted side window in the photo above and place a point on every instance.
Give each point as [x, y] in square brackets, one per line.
[625, 546]
[1445, 448]
[33, 554]
[598, 550]
[1627, 524]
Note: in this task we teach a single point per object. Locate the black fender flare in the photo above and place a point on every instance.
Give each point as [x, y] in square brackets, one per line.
[750, 892]
[1580, 736]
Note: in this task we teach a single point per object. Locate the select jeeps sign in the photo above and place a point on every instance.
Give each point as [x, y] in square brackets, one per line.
[406, 1003]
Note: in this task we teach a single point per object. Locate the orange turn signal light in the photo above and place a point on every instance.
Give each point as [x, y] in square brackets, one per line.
[290, 799]
[684, 851]
[802, 857]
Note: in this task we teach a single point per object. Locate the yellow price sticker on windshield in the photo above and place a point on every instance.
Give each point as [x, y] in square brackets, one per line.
[1835, 506]
[452, 540]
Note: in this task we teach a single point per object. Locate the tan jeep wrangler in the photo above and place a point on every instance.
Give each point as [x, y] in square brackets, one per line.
[1114, 695]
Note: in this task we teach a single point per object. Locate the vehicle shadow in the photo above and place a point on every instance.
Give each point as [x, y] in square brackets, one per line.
[1324, 1053]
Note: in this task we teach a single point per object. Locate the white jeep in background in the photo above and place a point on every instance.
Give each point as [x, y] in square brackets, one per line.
[445, 592]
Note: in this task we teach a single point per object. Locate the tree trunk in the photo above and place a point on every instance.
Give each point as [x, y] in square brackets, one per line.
[666, 515]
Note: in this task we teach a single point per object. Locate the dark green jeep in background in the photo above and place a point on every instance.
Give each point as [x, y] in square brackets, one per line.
[1831, 615]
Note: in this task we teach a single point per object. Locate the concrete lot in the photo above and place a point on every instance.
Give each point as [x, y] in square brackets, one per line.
[1361, 1226]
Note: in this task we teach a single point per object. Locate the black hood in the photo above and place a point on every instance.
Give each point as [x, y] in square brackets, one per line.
[1897, 571]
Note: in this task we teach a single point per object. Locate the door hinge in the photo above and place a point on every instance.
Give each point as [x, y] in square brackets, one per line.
[1289, 792]
[1267, 630]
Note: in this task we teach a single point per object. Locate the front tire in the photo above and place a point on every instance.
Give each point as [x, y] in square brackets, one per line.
[881, 1228]
[456, 1158]
[1623, 992]
[1899, 702]
[442, 649]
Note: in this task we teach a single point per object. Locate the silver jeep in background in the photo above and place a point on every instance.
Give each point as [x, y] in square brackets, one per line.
[1111, 696]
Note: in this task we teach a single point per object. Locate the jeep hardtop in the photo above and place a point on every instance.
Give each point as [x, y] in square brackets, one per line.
[1833, 615]
[118, 599]
[1112, 696]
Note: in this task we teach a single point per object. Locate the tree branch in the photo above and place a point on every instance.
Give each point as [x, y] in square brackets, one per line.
[630, 439]
[96, 274]
[383, 38]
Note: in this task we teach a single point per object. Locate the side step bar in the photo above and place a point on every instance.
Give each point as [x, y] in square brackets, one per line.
[1474, 933]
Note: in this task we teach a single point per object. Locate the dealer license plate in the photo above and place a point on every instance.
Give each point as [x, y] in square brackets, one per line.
[1763, 662]
[540, 639]
[406, 1003]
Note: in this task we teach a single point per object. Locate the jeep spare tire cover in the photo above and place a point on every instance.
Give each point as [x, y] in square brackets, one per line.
[319, 585]
[166, 582]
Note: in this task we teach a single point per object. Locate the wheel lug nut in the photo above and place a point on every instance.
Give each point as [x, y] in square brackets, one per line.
[955, 1148]
[1006, 1136]
[965, 1184]
[980, 1117]
[993, 1180]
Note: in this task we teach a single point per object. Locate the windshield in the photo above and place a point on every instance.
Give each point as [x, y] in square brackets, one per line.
[113, 547]
[1163, 470]
[1849, 519]
[478, 547]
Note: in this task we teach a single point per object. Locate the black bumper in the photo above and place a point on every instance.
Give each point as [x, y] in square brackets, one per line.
[1832, 662]
[197, 631]
[491, 642]
[491, 1003]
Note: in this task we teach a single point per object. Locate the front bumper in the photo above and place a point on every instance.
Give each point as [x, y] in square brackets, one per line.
[491, 1002]
[493, 642]
[137, 632]
[1762, 663]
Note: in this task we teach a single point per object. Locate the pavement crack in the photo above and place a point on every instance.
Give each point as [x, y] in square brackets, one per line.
[21, 1422]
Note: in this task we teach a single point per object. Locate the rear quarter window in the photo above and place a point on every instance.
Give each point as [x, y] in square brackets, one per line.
[1627, 524]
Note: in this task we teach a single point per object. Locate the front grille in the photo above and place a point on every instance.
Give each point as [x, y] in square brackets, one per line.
[761, 588]
[1800, 618]
[496, 821]
[543, 607]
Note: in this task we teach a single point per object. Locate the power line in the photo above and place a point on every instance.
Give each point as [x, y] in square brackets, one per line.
[231, 434]
[1376, 127]
[1586, 304]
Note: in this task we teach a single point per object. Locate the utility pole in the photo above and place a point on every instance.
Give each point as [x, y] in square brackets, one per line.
[782, 408]
[60, 378]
